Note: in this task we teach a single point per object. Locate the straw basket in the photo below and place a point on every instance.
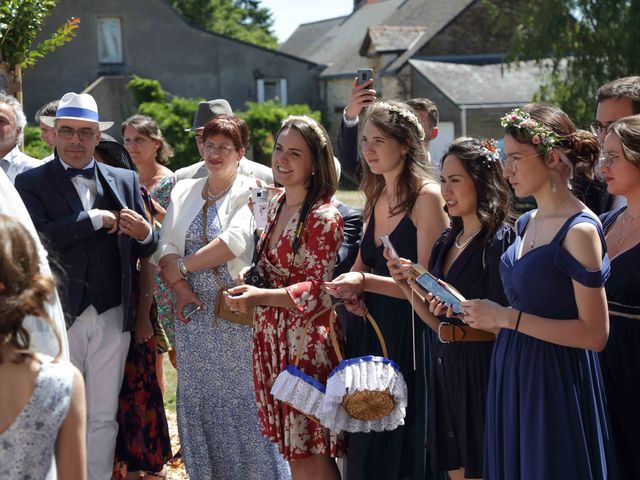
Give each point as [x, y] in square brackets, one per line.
[364, 393]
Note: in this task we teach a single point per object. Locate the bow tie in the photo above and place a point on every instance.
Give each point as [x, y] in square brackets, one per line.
[86, 173]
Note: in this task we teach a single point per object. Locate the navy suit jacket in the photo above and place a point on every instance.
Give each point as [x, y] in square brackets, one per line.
[66, 228]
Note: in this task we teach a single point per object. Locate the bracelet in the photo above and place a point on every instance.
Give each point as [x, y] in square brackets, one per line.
[363, 280]
[518, 321]
[182, 268]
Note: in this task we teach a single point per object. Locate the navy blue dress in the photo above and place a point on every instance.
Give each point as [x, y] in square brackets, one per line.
[460, 371]
[620, 360]
[545, 405]
[401, 453]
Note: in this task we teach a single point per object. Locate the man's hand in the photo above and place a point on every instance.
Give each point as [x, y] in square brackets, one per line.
[361, 96]
[169, 271]
[134, 225]
[110, 220]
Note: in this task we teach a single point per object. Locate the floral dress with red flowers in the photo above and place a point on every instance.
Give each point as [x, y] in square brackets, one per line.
[277, 331]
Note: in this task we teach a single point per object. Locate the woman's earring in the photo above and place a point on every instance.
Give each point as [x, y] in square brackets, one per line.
[554, 188]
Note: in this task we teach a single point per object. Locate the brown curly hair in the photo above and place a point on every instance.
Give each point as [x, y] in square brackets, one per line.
[23, 289]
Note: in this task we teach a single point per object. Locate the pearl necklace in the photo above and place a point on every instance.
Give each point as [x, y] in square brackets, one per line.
[219, 195]
[467, 241]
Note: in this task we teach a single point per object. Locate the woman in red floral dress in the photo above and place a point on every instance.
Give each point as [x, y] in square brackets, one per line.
[302, 163]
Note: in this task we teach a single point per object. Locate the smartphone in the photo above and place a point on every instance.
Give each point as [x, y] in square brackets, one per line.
[260, 200]
[448, 296]
[389, 246]
[364, 75]
[192, 310]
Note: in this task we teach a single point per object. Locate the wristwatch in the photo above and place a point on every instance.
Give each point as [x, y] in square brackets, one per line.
[182, 268]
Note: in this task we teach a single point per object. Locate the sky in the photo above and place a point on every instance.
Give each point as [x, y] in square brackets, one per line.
[288, 14]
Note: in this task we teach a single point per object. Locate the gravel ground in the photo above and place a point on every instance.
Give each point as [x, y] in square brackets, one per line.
[174, 473]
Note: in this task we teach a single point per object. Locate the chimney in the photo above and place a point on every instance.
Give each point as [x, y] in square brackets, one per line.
[358, 3]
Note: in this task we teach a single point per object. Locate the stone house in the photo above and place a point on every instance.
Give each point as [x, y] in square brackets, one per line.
[445, 50]
[118, 38]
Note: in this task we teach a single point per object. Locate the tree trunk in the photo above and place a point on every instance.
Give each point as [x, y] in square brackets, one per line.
[13, 78]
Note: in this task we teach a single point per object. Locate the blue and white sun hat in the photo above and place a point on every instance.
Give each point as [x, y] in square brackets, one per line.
[77, 106]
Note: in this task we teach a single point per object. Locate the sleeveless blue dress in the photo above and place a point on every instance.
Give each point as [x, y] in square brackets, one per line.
[546, 409]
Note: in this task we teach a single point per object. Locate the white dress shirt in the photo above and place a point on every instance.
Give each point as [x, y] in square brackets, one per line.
[16, 162]
[87, 191]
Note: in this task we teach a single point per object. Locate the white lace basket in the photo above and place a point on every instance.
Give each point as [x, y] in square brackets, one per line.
[364, 394]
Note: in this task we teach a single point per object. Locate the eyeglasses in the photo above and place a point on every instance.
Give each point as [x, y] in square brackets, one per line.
[597, 128]
[608, 159]
[217, 149]
[83, 133]
[512, 163]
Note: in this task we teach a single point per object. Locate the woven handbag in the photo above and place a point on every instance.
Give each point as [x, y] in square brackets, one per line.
[296, 388]
[363, 394]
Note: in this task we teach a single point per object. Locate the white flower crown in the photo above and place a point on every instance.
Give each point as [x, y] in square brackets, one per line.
[406, 114]
[315, 126]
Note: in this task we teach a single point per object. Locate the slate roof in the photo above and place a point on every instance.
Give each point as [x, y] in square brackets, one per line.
[339, 47]
[470, 85]
[391, 38]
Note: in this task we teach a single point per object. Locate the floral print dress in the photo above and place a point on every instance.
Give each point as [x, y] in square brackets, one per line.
[277, 330]
[164, 298]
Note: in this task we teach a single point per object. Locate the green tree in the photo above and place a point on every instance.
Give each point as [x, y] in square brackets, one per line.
[173, 115]
[34, 146]
[582, 44]
[241, 19]
[20, 23]
[264, 120]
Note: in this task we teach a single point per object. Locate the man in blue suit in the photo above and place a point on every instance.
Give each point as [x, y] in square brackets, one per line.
[92, 218]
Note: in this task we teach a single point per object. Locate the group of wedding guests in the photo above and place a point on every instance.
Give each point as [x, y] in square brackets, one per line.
[532, 379]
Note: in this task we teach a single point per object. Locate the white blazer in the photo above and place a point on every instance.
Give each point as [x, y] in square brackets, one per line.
[235, 216]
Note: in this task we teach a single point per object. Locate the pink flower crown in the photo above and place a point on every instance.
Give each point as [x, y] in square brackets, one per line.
[542, 138]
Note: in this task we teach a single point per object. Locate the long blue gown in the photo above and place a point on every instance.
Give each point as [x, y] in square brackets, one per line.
[546, 406]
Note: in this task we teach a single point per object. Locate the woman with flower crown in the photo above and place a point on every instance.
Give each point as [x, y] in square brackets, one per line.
[467, 256]
[403, 201]
[546, 405]
[296, 254]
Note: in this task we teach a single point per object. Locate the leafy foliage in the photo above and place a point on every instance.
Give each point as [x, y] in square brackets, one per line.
[264, 121]
[173, 115]
[20, 22]
[34, 146]
[587, 42]
[241, 19]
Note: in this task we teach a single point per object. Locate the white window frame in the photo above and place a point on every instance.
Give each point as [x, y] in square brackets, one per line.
[282, 89]
[117, 56]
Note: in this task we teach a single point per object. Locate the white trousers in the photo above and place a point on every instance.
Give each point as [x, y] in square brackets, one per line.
[98, 347]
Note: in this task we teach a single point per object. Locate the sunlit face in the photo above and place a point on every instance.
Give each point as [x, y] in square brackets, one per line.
[430, 132]
[47, 134]
[76, 151]
[382, 153]
[457, 187]
[609, 111]
[523, 167]
[221, 156]
[9, 132]
[292, 161]
[622, 176]
[142, 148]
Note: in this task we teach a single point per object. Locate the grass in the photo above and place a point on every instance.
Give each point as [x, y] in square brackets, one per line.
[353, 198]
[171, 381]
